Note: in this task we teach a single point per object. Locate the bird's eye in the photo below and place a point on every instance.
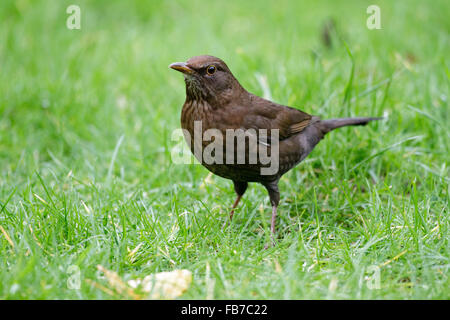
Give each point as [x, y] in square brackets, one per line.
[211, 70]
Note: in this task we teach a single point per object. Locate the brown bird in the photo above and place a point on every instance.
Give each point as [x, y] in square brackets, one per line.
[215, 100]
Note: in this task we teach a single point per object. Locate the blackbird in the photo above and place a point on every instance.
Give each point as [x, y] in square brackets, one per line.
[216, 100]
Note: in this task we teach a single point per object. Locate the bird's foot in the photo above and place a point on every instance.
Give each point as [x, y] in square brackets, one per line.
[272, 242]
[227, 221]
[225, 224]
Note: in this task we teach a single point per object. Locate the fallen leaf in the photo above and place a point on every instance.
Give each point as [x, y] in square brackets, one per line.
[118, 284]
[164, 285]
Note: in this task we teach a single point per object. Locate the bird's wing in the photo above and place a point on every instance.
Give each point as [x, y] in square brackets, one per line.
[265, 114]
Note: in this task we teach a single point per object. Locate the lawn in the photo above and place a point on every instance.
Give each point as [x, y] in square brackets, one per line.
[87, 177]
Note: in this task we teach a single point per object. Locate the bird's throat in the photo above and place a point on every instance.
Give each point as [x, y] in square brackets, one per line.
[194, 89]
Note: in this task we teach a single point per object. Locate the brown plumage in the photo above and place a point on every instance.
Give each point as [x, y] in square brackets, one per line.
[216, 99]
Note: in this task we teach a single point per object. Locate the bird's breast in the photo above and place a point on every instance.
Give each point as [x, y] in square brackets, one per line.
[195, 111]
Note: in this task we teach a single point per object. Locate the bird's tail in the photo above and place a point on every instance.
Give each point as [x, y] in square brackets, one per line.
[331, 124]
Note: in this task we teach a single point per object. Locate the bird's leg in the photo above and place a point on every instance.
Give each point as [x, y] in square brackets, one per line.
[236, 202]
[272, 223]
[240, 188]
[274, 195]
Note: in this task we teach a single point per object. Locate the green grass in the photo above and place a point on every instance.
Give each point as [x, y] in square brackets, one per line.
[86, 175]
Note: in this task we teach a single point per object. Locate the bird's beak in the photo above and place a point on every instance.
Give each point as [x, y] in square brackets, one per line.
[182, 67]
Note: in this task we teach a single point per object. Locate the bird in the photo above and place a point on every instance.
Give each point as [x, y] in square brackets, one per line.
[215, 100]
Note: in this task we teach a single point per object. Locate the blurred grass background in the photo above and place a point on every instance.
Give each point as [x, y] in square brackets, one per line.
[86, 118]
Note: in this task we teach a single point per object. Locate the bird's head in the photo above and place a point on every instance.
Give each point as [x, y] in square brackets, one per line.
[208, 78]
